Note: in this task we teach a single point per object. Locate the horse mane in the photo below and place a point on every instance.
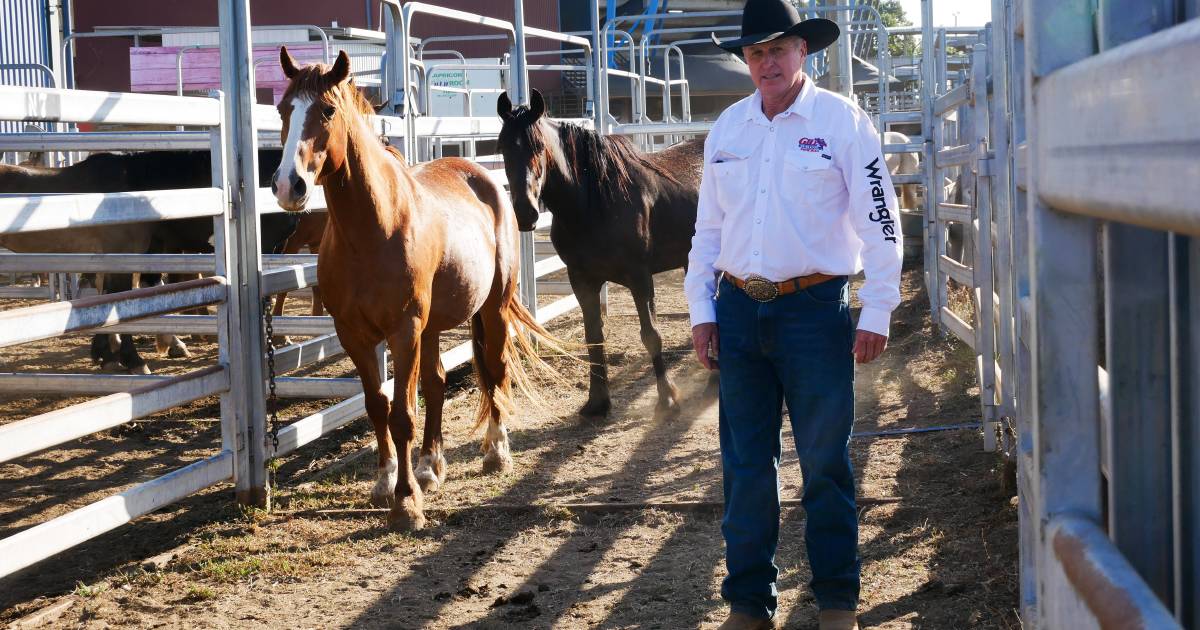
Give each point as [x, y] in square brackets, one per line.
[310, 81]
[604, 164]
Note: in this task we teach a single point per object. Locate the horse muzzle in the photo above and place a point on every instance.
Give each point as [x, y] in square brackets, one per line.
[294, 205]
[526, 220]
[292, 195]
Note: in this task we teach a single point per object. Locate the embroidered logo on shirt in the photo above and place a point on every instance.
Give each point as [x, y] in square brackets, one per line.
[813, 145]
[881, 215]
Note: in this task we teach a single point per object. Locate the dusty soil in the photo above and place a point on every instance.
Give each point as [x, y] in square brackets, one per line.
[942, 555]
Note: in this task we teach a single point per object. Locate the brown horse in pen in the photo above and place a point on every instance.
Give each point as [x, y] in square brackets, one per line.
[408, 252]
[619, 216]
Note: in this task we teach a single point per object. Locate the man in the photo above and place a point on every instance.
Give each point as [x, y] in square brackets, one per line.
[795, 198]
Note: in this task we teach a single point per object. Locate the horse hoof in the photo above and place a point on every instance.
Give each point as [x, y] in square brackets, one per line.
[383, 500]
[427, 480]
[431, 472]
[179, 352]
[383, 493]
[667, 409]
[282, 341]
[668, 401]
[111, 367]
[597, 409]
[140, 369]
[495, 463]
[406, 517]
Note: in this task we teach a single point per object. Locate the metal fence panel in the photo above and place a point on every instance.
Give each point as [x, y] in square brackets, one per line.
[1129, 154]
[25, 41]
[1064, 305]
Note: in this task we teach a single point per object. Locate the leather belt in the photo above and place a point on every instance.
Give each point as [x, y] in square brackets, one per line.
[763, 290]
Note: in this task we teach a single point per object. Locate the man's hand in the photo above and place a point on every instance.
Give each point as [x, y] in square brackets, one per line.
[704, 340]
[867, 345]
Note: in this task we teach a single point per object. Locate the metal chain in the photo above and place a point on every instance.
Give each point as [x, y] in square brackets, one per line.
[272, 399]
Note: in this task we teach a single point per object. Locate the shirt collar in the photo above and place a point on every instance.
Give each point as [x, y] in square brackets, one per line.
[801, 106]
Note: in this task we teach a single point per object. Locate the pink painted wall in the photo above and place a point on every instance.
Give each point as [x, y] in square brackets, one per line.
[103, 64]
[153, 69]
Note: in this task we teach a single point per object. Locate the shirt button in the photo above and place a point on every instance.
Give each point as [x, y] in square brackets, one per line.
[762, 190]
[756, 252]
[772, 130]
[768, 159]
[758, 220]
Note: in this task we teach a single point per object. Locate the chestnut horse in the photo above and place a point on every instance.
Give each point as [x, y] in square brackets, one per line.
[308, 233]
[619, 216]
[408, 252]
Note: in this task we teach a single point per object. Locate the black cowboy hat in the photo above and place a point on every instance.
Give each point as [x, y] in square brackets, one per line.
[765, 20]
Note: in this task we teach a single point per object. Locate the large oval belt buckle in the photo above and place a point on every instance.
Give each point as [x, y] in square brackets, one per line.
[761, 289]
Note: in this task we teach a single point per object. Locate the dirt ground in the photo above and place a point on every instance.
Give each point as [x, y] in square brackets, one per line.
[939, 551]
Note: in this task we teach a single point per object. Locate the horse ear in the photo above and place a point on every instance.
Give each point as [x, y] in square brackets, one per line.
[504, 106]
[287, 62]
[537, 105]
[341, 69]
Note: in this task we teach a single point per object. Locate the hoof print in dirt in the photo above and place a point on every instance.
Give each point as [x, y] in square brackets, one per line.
[522, 613]
[522, 606]
[522, 598]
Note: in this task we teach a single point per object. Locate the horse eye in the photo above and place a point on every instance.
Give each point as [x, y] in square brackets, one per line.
[328, 112]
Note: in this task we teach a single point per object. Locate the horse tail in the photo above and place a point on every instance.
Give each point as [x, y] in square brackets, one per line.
[520, 357]
[493, 388]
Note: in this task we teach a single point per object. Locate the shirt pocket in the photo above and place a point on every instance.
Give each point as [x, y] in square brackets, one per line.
[810, 183]
[732, 174]
[808, 172]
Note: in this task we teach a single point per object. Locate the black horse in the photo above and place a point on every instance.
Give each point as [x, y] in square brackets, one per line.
[119, 172]
[619, 216]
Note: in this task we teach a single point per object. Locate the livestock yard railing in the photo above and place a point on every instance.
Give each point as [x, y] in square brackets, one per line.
[1083, 184]
[20, 215]
[1108, 115]
[959, 117]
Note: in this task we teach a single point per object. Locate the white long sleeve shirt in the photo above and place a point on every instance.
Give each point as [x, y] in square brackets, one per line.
[807, 192]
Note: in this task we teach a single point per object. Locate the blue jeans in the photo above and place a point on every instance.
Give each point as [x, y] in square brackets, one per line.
[796, 348]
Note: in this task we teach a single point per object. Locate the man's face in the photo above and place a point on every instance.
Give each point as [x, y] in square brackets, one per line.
[776, 66]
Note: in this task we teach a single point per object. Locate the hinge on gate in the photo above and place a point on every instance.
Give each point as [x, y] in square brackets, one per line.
[983, 167]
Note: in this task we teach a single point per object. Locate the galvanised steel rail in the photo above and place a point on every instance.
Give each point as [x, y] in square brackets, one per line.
[46, 212]
[1105, 466]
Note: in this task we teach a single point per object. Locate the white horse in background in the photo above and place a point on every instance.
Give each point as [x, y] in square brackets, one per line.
[903, 164]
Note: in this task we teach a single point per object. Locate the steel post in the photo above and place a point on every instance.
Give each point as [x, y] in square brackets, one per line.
[241, 161]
